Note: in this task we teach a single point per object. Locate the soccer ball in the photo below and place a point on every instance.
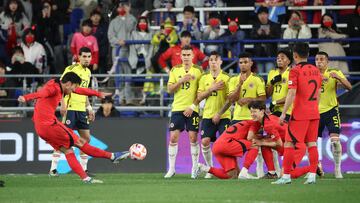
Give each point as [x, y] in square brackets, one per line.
[137, 151]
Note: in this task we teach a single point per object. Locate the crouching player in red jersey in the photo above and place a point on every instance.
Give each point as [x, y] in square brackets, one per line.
[233, 143]
[54, 132]
[274, 139]
[304, 85]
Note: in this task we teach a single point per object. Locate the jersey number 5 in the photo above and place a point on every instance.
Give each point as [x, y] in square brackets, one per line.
[312, 96]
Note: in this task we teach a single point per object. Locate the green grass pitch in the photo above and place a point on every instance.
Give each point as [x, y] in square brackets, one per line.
[150, 187]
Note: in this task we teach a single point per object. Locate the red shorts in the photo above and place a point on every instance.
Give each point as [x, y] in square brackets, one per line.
[227, 150]
[57, 135]
[302, 131]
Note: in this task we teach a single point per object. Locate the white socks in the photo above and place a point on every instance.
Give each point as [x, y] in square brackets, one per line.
[83, 161]
[207, 154]
[194, 149]
[173, 149]
[276, 162]
[55, 160]
[259, 165]
[336, 150]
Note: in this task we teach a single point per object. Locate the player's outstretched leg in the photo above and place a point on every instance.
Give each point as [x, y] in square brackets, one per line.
[336, 150]
[54, 163]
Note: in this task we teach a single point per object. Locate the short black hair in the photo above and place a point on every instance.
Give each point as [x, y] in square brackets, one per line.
[215, 53]
[190, 9]
[257, 105]
[245, 55]
[287, 53]
[71, 77]
[302, 49]
[84, 49]
[323, 53]
[262, 9]
[187, 47]
[185, 34]
[87, 22]
[17, 49]
[107, 99]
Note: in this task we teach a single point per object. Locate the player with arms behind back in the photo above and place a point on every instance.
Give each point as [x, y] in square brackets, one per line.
[183, 82]
[329, 106]
[304, 90]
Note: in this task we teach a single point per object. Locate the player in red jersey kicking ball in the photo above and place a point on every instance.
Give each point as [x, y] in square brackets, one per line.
[54, 132]
[304, 85]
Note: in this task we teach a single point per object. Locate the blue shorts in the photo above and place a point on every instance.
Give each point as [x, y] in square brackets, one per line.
[77, 120]
[209, 129]
[330, 120]
[180, 122]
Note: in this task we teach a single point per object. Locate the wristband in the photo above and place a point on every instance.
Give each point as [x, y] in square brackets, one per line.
[193, 107]
[89, 108]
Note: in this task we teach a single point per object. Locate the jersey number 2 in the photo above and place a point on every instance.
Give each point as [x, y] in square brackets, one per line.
[312, 96]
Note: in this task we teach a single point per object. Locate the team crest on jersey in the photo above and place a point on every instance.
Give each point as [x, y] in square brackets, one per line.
[272, 136]
[251, 85]
[325, 80]
[68, 122]
[202, 132]
[283, 80]
[172, 125]
[290, 82]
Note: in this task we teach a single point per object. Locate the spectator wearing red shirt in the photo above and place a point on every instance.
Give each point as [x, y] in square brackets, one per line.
[173, 53]
[85, 39]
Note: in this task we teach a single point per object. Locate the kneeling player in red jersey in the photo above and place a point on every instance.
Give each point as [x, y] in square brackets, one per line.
[233, 143]
[274, 139]
[49, 128]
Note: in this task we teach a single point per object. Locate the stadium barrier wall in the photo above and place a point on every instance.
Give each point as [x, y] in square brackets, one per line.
[22, 151]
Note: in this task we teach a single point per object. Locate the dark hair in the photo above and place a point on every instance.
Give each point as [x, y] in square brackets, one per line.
[257, 105]
[95, 12]
[107, 99]
[27, 31]
[262, 9]
[87, 22]
[302, 49]
[187, 47]
[17, 49]
[245, 55]
[18, 13]
[71, 77]
[287, 53]
[214, 15]
[84, 49]
[44, 2]
[190, 9]
[323, 53]
[185, 34]
[215, 53]
[138, 21]
[333, 26]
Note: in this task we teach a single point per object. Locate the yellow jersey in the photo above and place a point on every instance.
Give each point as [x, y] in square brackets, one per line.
[253, 87]
[186, 94]
[328, 98]
[217, 99]
[280, 88]
[77, 102]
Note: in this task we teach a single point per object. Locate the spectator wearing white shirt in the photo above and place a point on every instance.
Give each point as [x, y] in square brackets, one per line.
[297, 28]
[34, 52]
[213, 32]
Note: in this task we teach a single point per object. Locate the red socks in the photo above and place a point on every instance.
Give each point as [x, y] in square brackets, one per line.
[95, 152]
[75, 165]
[268, 158]
[297, 172]
[313, 158]
[220, 173]
[250, 157]
[288, 159]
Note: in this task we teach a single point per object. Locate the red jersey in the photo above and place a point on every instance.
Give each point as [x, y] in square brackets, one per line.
[48, 99]
[273, 128]
[174, 53]
[306, 79]
[239, 131]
